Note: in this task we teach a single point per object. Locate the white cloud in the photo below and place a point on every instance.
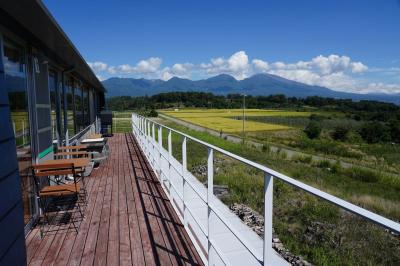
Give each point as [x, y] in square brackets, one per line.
[101, 78]
[236, 65]
[331, 71]
[381, 87]
[338, 72]
[150, 65]
[260, 65]
[358, 67]
[97, 66]
[177, 70]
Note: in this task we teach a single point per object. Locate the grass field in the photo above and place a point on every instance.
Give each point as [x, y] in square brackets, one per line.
[229, 120]
[285, 128]
[321, 232]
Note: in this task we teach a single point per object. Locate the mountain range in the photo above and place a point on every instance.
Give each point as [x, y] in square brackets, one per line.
[259, 84]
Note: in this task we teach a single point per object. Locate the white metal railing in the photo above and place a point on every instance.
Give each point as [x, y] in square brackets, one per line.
[208, 222]
[90, 129]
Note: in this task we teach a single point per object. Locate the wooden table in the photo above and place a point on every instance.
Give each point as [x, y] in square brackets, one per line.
[95, 136]
[72, 148]
[78, 162]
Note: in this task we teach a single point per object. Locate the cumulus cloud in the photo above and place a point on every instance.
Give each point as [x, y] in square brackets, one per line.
[332, 71]
[98, 66]
[236, 65]
[381, 87]
[260, 65]
[338, 72]
[177, 70]
[150, 65]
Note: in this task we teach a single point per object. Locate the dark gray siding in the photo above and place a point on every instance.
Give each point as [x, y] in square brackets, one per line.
[12, 239]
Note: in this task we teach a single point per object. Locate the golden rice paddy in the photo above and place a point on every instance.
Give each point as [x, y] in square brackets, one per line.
[229, 120]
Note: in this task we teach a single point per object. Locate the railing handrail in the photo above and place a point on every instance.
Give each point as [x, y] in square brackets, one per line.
[373, 217]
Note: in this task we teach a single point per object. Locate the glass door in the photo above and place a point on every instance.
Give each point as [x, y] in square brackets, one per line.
[16, 85]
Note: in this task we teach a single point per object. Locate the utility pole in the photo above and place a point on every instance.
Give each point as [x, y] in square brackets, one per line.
[243, 118]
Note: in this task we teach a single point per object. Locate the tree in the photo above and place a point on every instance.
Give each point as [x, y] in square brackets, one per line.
[394, 126]
[373, 132]
[340, 132]
[313, 129]
[153, 113]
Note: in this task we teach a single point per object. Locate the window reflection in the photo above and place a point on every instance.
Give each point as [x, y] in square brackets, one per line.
[70, 108]
[53, 104]
[86, 107]
[78, 109]
[15, 84]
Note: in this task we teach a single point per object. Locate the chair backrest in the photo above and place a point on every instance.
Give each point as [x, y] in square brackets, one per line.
[39, 170]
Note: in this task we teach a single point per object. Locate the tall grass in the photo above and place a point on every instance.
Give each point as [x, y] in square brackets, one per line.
[321, 232]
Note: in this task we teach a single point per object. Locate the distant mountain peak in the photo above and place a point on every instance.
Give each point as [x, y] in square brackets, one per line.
[259, 84]
[222, 77]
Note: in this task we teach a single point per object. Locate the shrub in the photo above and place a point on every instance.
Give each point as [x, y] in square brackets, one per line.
[394, 126]
[336, 167]
[316, 117]
[324, 164]
[340, 132]
[363, 174]
[313, 130]
[153, 113]
[302, 159]
[373, 132]
[266, 148]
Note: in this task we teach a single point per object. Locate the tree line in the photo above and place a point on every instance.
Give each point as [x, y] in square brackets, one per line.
[381, 119]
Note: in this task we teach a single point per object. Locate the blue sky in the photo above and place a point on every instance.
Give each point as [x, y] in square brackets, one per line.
[345, 45]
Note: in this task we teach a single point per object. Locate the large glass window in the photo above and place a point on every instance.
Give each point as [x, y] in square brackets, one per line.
[53, 103]
[70, 107]
[16, 86]
[78, 108]
[86, 107]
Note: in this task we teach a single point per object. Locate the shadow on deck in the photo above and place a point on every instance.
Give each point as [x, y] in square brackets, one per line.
[128, 220]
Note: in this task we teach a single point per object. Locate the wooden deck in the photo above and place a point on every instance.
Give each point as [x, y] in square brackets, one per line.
[128, 220]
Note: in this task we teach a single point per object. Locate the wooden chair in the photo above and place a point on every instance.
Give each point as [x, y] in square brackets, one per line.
[61, 196]
[71, 154]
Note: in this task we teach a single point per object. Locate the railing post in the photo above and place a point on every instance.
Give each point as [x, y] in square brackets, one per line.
[160, 148]
[148, 137]
[169, 158]
[210, 193]
[184, 169]
[153, 140]
[268, 211]
[144, 136]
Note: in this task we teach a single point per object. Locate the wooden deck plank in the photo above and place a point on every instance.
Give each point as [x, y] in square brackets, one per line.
[149, 250]
[91, 238]
[172, 231]
[113, 233]
[69, 240]
[125, 242]
[128, 220]
[146, 188]
[100, 257]
[134, 228]
[157, 240]
[79, 243]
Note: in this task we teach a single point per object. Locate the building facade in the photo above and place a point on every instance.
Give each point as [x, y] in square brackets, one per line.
[48, 94]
